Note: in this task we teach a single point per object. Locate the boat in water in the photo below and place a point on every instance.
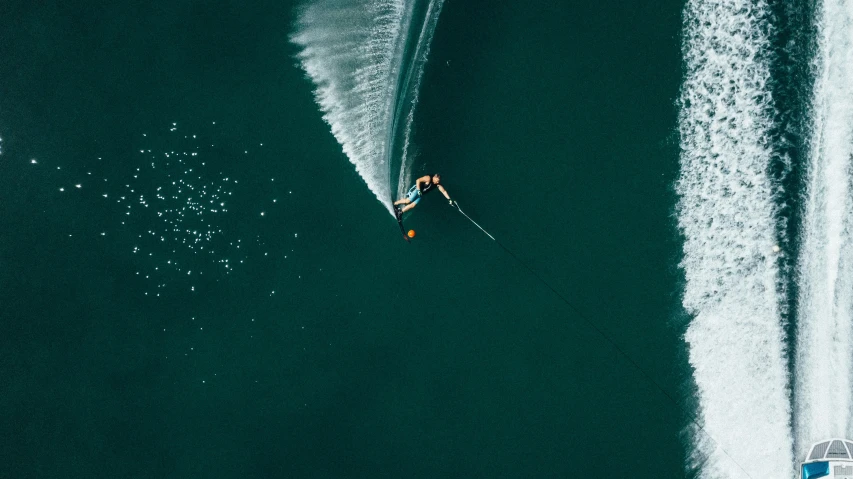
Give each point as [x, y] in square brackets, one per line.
[830, 458]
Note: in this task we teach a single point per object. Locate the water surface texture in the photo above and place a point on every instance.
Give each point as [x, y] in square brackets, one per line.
[196, 279]
[765, 211]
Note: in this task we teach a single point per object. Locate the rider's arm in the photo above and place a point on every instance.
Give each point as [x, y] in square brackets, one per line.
[443, 191]
[419, 181]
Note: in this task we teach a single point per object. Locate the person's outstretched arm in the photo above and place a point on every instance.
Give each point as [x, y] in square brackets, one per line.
[445, 193]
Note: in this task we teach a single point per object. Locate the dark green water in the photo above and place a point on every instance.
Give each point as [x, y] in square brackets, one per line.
[552, 124]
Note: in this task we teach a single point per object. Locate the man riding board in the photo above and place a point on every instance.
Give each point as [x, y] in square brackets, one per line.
[423, 185]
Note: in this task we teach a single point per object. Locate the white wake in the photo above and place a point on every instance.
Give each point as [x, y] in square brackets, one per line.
[366, 59]
[728, 215]
[825, 306]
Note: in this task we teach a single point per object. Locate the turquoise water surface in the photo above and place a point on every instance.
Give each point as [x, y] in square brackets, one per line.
[226, 295]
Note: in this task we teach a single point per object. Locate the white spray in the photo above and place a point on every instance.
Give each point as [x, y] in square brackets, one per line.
[358, 55]
[727, 213]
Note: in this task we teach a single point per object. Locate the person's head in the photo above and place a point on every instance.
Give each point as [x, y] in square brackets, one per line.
[436, 178]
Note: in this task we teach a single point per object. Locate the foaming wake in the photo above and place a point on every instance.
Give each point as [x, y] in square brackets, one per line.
[366, 59]
[728, 214]
[825, 306]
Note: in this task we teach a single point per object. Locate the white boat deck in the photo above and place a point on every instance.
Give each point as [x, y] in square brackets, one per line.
[830, 459]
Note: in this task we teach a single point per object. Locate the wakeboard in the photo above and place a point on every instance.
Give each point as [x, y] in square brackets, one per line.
[399, 214]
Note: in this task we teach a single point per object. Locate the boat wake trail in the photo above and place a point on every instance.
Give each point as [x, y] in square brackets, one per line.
[728, 214]
[366, 60]
[824, 368]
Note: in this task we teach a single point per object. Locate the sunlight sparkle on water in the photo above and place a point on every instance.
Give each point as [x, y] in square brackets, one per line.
[162, 205]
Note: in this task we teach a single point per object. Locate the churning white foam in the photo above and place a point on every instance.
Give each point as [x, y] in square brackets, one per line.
[727, 213]
[825, 308]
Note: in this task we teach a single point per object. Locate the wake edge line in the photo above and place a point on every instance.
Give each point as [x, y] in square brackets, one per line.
[692, 417]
